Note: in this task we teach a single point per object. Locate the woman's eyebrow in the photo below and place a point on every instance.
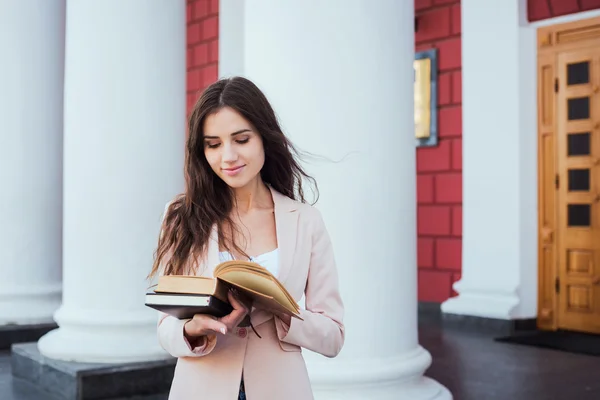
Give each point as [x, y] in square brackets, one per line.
[233, 134]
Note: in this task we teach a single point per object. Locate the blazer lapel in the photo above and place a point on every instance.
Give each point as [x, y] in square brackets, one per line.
[286, 226]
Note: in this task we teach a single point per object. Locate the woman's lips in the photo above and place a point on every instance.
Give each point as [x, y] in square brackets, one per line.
[233, 171]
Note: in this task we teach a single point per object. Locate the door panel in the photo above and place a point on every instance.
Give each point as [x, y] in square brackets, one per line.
[547, 271]
[578, 200]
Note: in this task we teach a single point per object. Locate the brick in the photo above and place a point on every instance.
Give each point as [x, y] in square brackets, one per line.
[191, 100]
[538, 10]
[445, 89]
[563, 7]
[449, 54]
[424, 46]
[424, 189]
[193, 34]
[450, 121]
[210, 74]
[214, 6]
[455, 278]
[189, 58]
[434, 286]
[188, 12]
[433, 220]
[194, 79]
[436, 158]
[200, 54]
[200, 9]
[422, 4]
[210, 28]
[457, 87]
[213, 51]
[589, 4]
[425, 252]
[448, 254]
[444, 2]
[448, 188]
[455, 18]
[433, 24]
[456, 154]
[457, 221]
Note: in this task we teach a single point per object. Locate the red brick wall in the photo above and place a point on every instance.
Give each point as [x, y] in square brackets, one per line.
[439, 169]
[202, 46]
[543, 9]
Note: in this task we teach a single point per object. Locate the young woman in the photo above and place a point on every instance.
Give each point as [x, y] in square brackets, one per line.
[244, 200]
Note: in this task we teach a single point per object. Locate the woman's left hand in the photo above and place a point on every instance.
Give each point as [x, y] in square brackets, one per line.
[238, 314]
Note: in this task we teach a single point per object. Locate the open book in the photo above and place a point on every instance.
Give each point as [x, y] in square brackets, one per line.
[183, 296]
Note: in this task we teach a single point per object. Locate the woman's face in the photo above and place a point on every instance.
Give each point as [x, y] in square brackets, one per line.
[233, 149]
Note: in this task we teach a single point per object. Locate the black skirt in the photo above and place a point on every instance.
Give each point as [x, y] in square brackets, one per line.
[242, 395]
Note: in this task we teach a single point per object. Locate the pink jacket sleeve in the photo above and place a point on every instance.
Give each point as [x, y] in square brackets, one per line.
[171, 337]
[322, 329]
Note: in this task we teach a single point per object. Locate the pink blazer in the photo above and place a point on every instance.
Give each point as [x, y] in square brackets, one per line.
[273, 365]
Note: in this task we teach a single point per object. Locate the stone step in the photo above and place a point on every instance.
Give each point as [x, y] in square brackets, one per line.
[83, 381]
[11, 334]
[16, 389]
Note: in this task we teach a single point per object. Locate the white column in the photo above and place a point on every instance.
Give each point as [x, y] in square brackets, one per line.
[123, 156]
[31, 105]
[231, 37]
[499, 268]
[339, 74]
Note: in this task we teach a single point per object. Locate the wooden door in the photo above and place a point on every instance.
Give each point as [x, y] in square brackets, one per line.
[578, 202]
[569, 177]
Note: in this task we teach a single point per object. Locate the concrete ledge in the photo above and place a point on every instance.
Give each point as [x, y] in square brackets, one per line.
[11, 334]
[487, 325]
[81, 381]
[468, 323]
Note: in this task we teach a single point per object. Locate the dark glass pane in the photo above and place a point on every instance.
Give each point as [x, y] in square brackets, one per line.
[578, 214]
[579, 180]
[578, 144]
[579, 108]
[578, 73]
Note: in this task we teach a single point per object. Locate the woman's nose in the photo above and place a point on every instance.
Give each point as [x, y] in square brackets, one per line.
[229, 153]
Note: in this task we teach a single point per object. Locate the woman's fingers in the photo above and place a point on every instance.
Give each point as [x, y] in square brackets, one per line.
[203, 324]
[217, 326]
[234, 318]
[235, 303]
[237, 315]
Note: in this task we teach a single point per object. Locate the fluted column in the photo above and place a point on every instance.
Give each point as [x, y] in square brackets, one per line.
[340, 76]
[123, 160]
[31, 106]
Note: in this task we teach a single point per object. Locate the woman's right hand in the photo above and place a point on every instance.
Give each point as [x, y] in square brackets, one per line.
[202, 324]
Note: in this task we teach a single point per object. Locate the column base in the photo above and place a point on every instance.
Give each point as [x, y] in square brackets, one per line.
[81, 381]
[422, 389]
[482, 303]
[30, 305]
[103, 336]
[397, 378]
[108, 345]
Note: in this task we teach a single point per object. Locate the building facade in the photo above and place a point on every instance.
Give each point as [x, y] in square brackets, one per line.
[497, 220]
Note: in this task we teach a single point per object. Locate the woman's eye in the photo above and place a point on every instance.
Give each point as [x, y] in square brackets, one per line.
[242, 141]
[212, 145]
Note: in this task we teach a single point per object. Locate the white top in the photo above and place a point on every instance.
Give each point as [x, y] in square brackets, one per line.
[268, 260]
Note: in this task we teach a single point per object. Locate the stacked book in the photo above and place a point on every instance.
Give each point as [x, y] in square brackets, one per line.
[183, 296]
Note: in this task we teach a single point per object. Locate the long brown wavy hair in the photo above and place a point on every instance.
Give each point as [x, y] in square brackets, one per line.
[207, 199]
